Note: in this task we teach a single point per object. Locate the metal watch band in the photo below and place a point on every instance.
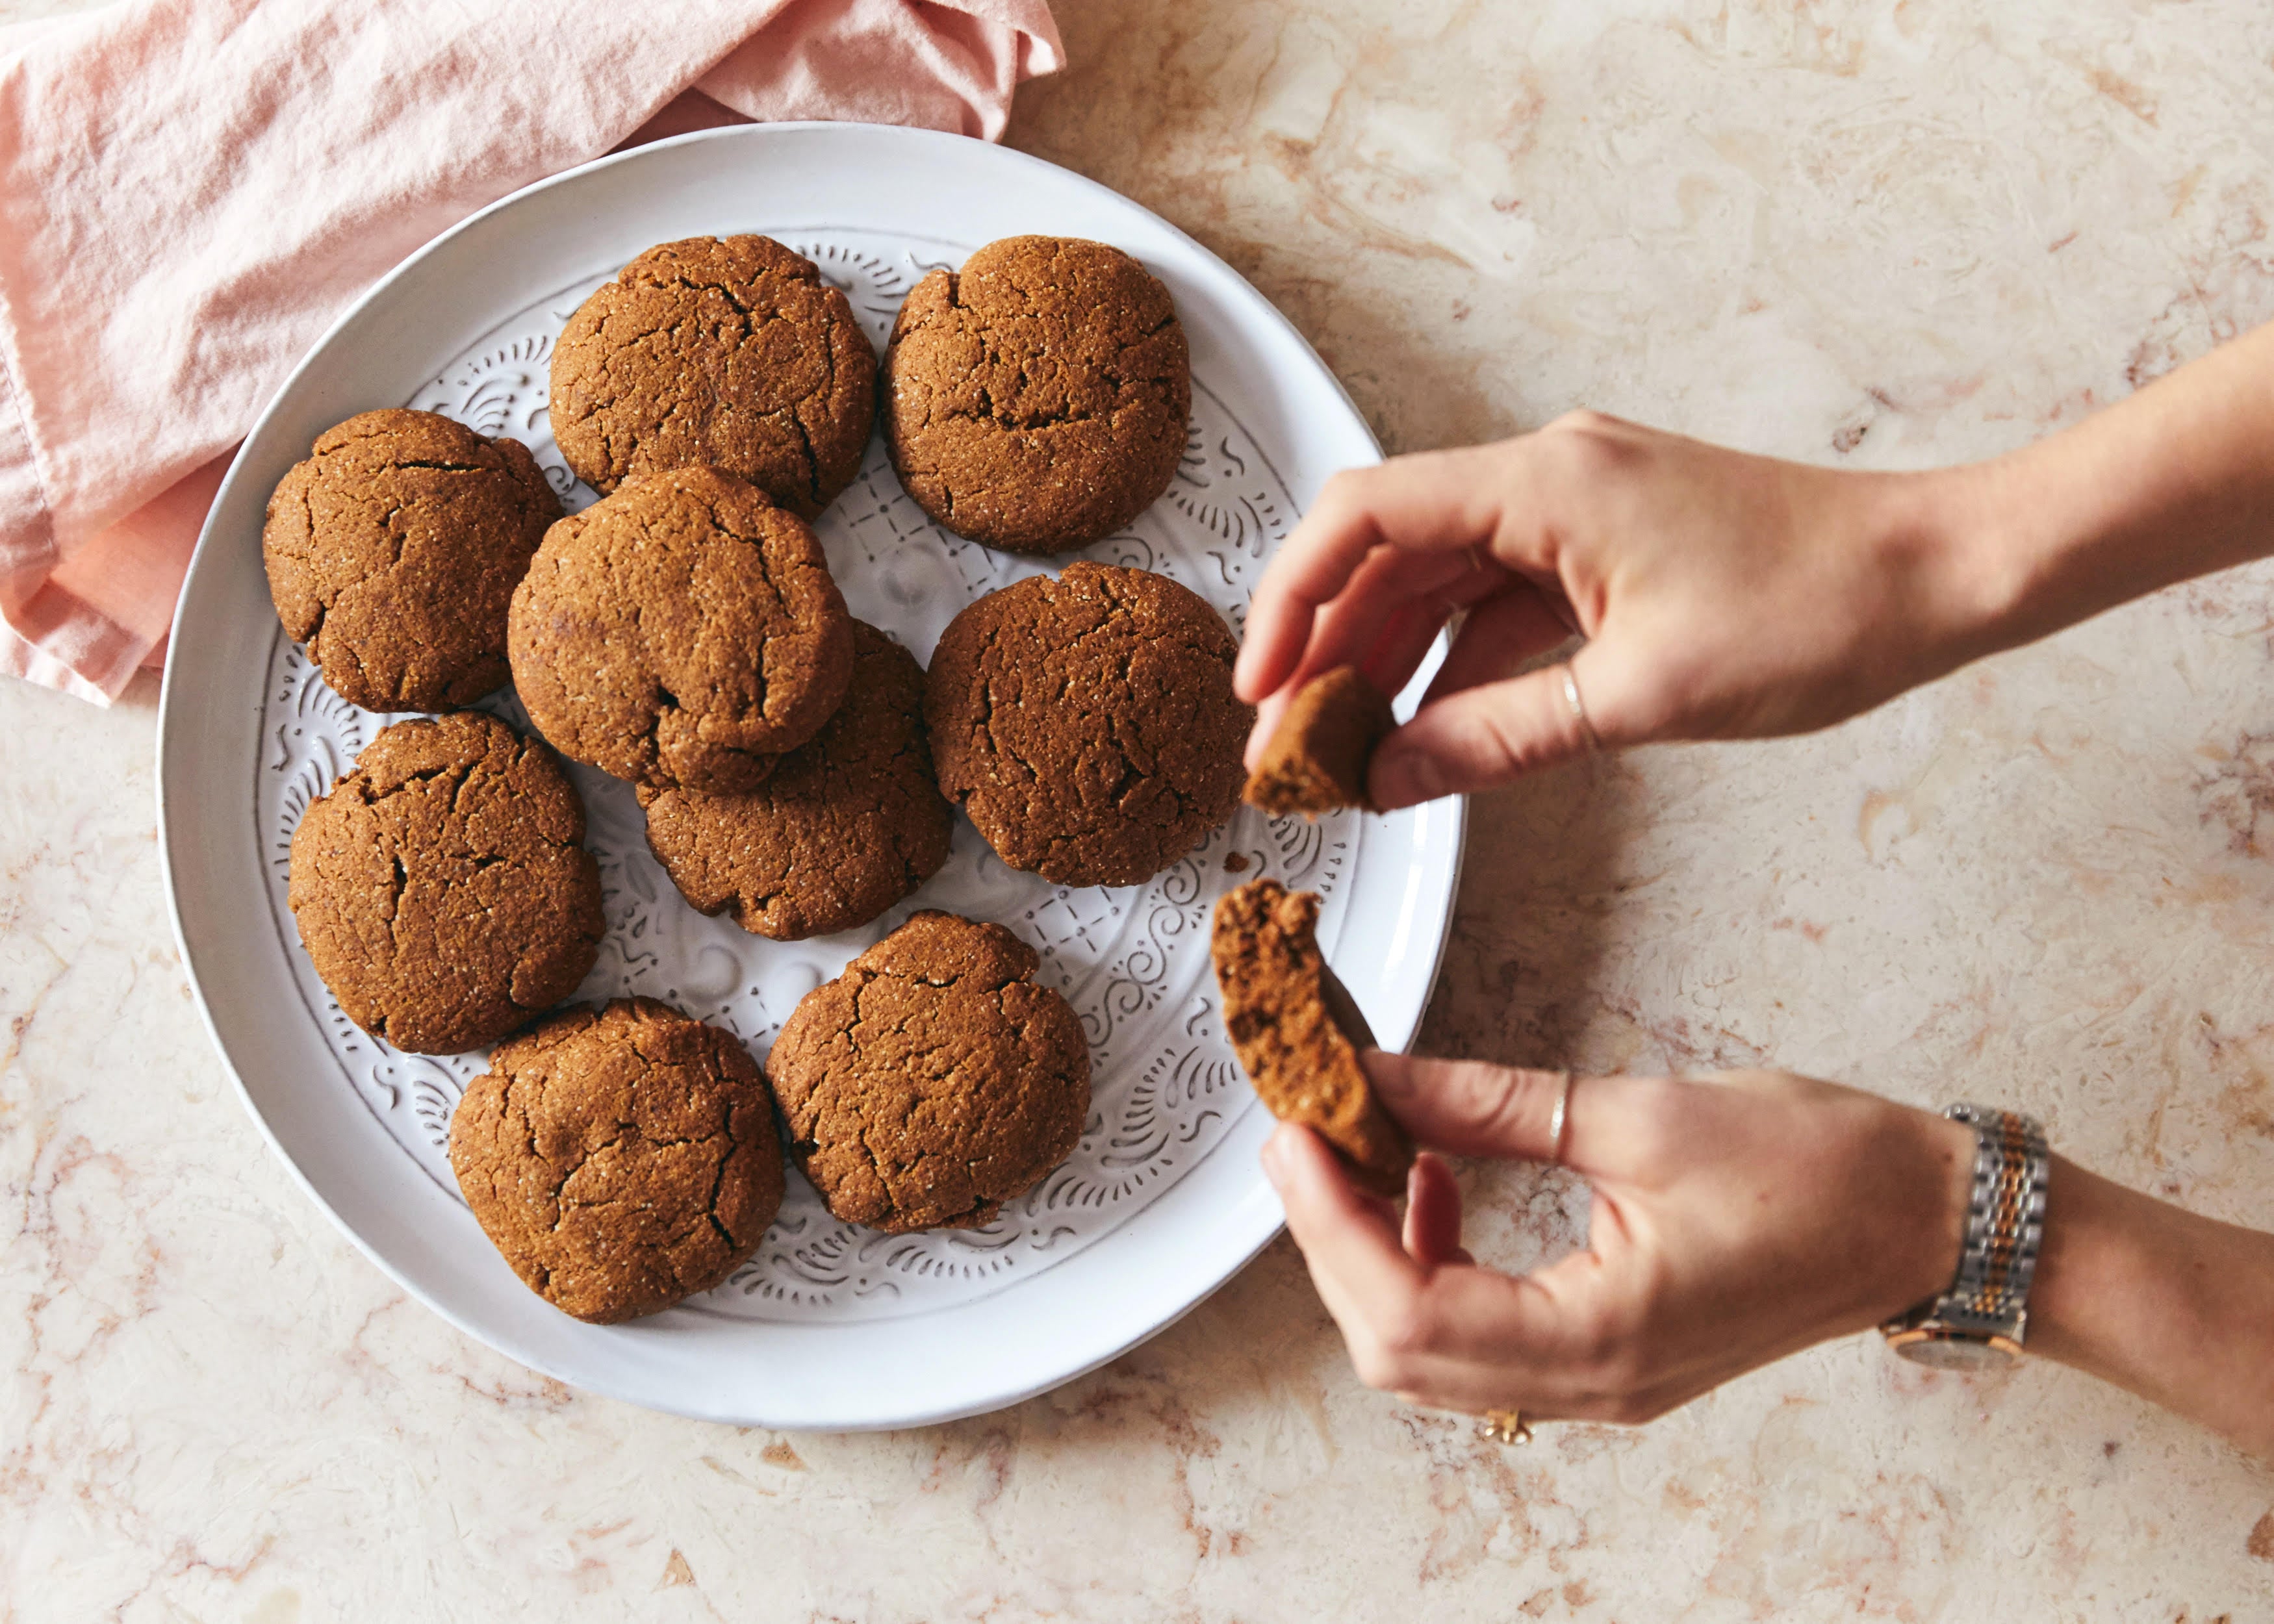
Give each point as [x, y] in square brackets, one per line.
[2005, 1227]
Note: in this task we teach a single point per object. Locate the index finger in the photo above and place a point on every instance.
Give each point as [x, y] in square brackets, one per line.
[1474, 1107]
[1429, 501]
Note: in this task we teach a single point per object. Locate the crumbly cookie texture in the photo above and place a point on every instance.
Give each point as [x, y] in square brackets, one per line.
[1037, 399]
[1087, 726]
[844, 827]
[392, 551]
[721, 352]
[1304, 1065]
[620, 1159]
[933, 1081]
[684, 631]
[1316, 758]
[442, 888]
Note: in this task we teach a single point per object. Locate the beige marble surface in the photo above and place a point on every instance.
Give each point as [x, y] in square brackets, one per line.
[1888, 231]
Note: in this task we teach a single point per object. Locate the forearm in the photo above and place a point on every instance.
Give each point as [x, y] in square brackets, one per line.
[2174, 1307]
[2172, 483]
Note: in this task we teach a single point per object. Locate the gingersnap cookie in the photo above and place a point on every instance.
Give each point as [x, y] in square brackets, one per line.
[1087, 724]
[1303, 1062]
[718, 352]
[933, 1081]
[844, 827]
[684, 631]
[1036, 400]
[392, 551]
[442, 888]
[1316, 758]
[620, 1159]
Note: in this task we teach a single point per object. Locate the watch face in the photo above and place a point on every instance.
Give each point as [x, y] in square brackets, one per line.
[1943, 1350]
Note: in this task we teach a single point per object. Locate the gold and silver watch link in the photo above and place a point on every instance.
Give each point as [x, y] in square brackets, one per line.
[1978, 1324]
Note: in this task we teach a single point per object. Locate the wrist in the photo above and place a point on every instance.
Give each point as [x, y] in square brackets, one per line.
[2175, 1307]
[1967, 535]
[1921, 1260]
[2085, 1263]
[2170, 483]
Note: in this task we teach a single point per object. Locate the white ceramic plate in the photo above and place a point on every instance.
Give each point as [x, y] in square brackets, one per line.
[829, 1325]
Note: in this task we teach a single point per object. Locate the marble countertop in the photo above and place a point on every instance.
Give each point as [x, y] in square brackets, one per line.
[1887, 232]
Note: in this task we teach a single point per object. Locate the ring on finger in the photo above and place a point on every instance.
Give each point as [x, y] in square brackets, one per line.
[1559, 1125]
[1578, 708]
[1505, 1426]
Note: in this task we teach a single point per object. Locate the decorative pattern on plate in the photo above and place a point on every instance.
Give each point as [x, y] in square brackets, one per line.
[1133, 960]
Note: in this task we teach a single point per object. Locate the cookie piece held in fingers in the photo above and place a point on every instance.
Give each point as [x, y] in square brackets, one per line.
[933, 1081]
[1304, 1066]
[720, 352]
[684, 631]
[442, 888]
[620, 1159]
[1316, 758]
[393, 552]
[845, 826]
[1087, 726]
[1037, 399]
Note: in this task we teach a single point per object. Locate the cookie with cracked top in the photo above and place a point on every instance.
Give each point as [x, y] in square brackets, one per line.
[393, 550]
[1304, 1066]
[1087, 724]
[442, 888]
[844, 827]
[1316, 758]
[621, 1158]
[683, 632]
[933, 1081]
[718, 352]
[1037, 399]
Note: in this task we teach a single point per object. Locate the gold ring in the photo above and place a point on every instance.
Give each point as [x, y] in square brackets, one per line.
[1579, 709]
[1559, 1122]
[1505, 1426]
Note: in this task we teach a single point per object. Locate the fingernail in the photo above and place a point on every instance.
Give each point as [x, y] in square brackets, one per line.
[1275, 1161]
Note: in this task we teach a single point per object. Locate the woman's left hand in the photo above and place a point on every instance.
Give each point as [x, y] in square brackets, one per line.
[1737, 1219]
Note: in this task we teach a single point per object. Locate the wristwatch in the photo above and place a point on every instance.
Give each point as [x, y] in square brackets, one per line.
[1977, 1324]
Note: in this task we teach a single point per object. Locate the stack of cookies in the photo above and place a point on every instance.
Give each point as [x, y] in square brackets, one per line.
[798, 769]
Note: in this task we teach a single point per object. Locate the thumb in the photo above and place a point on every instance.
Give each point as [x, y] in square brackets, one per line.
[1491, 735]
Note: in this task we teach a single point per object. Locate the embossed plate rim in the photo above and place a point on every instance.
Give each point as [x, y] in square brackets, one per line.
[958, 1361]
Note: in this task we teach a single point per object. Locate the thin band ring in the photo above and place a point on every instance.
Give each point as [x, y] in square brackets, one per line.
[1579, 709]
[1559, 1122]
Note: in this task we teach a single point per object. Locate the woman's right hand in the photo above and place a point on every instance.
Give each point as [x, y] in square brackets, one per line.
[1736, 1220]
[1722, 595]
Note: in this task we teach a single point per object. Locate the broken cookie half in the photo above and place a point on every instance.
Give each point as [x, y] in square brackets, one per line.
[1318, 755]
[1302, 1058]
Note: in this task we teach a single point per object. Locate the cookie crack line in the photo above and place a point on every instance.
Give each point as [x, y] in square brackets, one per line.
[322, 456]
[690, 284]
[444, 468]
[805, 440]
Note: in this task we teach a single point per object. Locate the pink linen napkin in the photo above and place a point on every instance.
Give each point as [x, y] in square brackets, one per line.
[191, 190]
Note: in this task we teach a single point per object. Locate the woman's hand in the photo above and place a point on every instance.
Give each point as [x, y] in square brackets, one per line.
[1722, 595]
[1725, 596]
[1736, 1221]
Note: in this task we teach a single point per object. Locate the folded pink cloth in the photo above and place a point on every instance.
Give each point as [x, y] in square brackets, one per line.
[191, 190]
